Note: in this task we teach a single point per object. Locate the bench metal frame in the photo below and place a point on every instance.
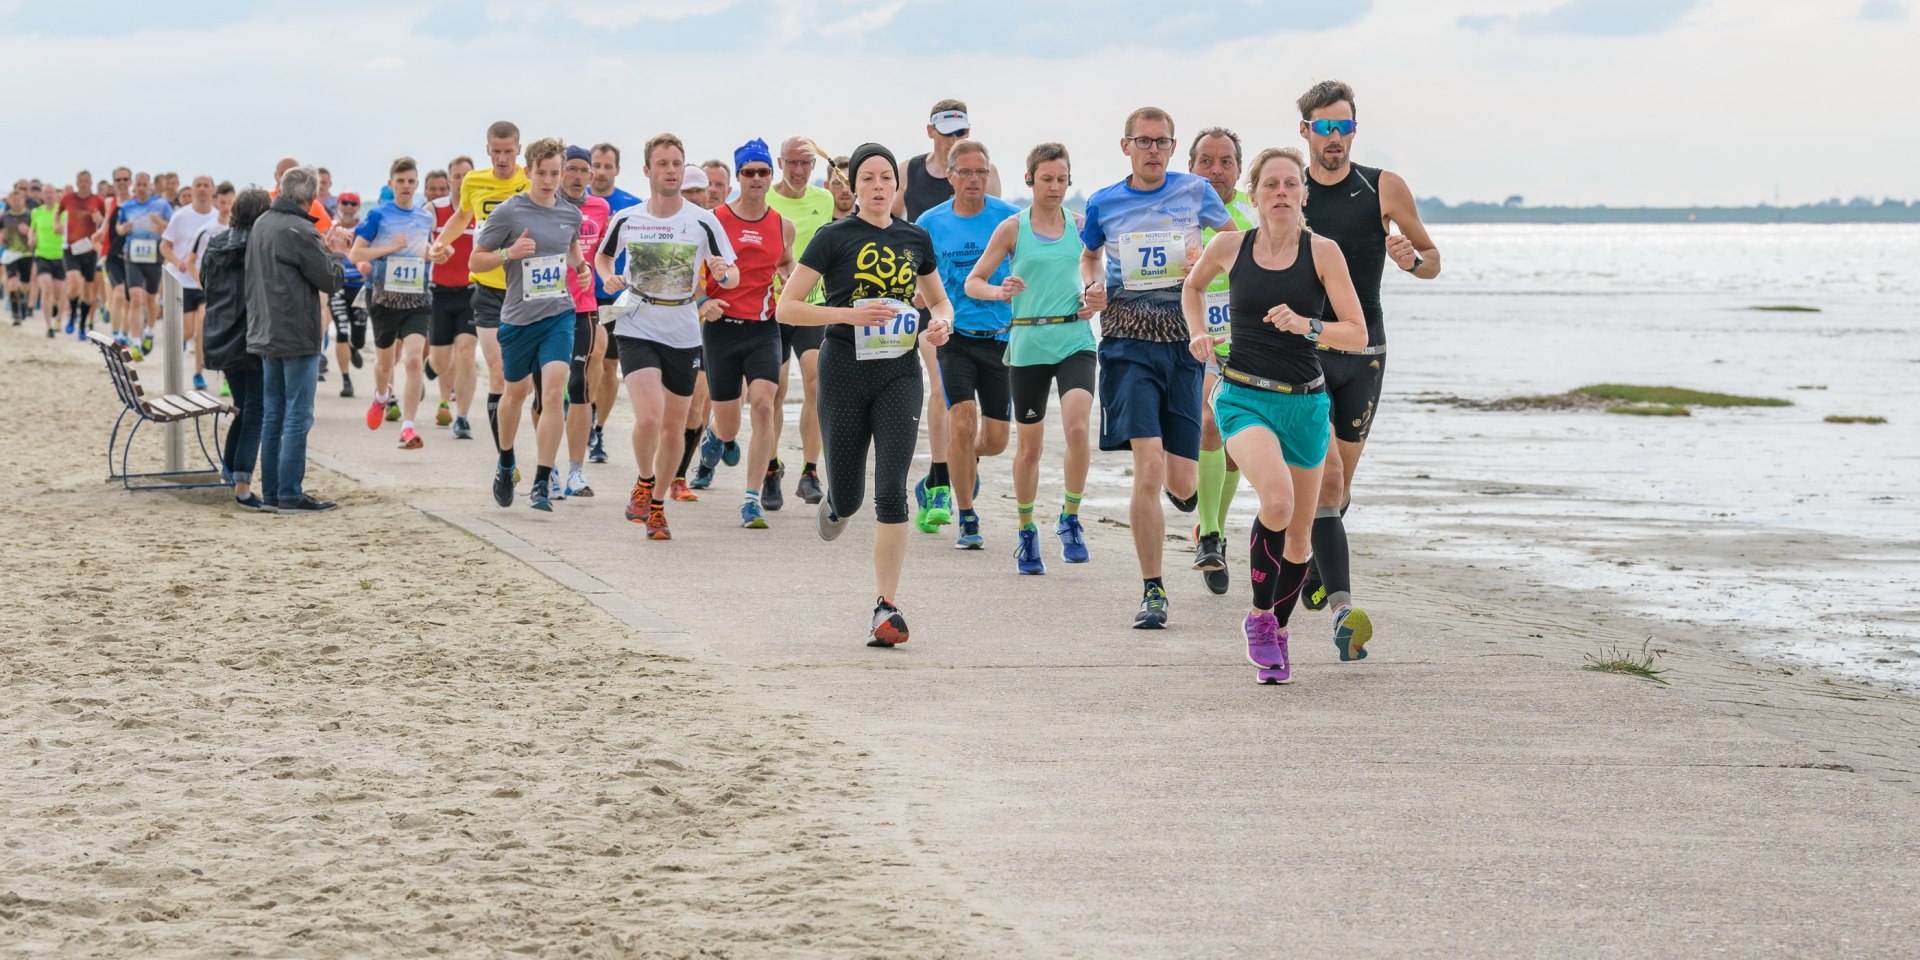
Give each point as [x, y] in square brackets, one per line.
[175, 408]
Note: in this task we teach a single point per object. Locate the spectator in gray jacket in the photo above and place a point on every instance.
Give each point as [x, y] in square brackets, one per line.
[289, 271]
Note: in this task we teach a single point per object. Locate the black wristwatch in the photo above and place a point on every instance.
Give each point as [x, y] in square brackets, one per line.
[1417, 261]
[1314, 326]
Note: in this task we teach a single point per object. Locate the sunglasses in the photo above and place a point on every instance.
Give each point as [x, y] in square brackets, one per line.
[755, 173]
[1152, 143]
[1327, 128]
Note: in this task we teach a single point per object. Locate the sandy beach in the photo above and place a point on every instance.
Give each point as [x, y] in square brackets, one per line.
[372, 732]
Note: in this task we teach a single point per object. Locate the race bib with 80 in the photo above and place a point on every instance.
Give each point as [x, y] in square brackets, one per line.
[143, 250]
[1152, 259]
[888, 340]
[545, 278]
[406, 275]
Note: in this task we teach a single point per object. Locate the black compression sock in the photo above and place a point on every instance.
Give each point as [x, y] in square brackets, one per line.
[541, 474]
[506, 458]
[493, 416]
[1330, 554]
[937, 475]
[686, 453]
[1150, 583]
[809, 467]
[773, 465]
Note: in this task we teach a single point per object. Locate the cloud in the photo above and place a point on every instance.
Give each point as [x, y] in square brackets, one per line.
[1602, 18]
[1888, 10]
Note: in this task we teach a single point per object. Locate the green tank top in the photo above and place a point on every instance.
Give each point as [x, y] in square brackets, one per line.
[1217, 322]
[48, 242]
[808, 213]
[1051, 269]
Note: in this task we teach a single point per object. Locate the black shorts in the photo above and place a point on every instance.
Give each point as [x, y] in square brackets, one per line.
[976, 368]
[87, 263]
[736, 351]
[21, 269]
[794, 340]
[349, 321]
[583, 325]
[143, 276]
[486, 306]
[1353, 384]
[116, 271]
[51, 267]
[676, 364]
[452, 315]
[1076, 372]
[391, 324]
[191, 299]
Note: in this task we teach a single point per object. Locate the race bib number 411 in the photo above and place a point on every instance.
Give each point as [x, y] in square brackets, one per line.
[1152, 259]
[406, 275]
[888, 340]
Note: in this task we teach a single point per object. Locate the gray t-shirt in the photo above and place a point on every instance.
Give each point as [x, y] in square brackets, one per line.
[536, 285]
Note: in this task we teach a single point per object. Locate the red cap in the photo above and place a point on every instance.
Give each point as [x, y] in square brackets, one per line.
[350, 198]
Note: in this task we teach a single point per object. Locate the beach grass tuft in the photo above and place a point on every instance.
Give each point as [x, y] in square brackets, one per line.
[1849, 418]
[1615, 660]
[1784, 308]
[1630, 393]
[366, 583]
[1651, 410]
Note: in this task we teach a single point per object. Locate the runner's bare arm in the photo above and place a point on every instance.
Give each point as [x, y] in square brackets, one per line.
[788, 261]
[930, 289]
[1398, 208]
[998, 249]
[1349, 329]
[993, 179]
[1213, 261]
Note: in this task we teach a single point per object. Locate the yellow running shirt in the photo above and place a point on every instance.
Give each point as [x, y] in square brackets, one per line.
[480, 192]
[811, 211]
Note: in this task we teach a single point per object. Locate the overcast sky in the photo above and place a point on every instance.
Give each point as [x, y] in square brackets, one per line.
[1622, 102]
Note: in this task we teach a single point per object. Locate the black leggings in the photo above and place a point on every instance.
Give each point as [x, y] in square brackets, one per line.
[862, 402]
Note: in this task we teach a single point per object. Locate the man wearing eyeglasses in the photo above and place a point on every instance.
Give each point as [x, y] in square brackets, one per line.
[1356, 207]
[1146, 228]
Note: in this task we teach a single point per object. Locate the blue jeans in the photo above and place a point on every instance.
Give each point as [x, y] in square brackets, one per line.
[286, 417]
[243, 434]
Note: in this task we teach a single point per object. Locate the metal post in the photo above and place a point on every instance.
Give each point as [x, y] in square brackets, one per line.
[170, 333]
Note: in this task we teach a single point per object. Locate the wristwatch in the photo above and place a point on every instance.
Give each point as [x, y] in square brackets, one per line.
[1314, 326]
[1417, 261]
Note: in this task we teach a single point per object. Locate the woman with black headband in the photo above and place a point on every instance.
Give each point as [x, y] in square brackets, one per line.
[871, 265]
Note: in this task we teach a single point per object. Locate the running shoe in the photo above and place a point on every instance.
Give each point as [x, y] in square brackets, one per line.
[516, 476]
[640, 502]
[920, 506]
[939, 508]
[657, 523]
[69, 326]
[555, 489]
[81, 333]
[1218, 581]
[134, 352]
[461, 429]
[52, 333]
[1208, 552]
[393, 411]
[1184, 506]
[376, 411]
[443, 416]
[889, 627]
[751, 517]
[410, 440]
[1073, 540]
[577, 484]
[829, 524]
[1352, 628]
[353, 354]
[346, 390]
[678, 490]
[702, 476]
[503, 486]
[538, 499]
[1267, 647]
[770, 495]
[1153, 610]
[1313, 593]
[970, 538]
[730, 455]
[712, 448]
[146, 343]
[226, 390]
[596, 446]
[808, 489]
[1026, 556]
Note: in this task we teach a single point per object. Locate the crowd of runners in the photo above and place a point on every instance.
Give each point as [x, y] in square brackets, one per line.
[1227, 319]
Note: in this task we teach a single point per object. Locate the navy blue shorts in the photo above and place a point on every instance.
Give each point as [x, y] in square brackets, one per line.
[525, 349]
[1150, 389]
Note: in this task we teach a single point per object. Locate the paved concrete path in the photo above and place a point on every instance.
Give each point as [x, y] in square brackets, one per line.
[1467, 791]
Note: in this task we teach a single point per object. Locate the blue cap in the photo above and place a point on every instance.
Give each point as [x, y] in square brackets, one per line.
[578, 153]
[752, 150]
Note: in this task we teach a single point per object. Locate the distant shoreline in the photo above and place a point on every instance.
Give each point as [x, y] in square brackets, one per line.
[1561, 215]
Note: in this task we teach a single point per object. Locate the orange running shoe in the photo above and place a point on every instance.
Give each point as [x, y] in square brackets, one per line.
[376, 413]
[410, 440]
[640, 502]
[679, 490]
[657, 523]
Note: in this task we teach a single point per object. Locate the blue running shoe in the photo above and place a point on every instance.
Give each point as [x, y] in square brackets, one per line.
[1351, 631]
[1153, 610]
[702, 475]
[969, 538]
[711, 450]
[538, 498]
[1027, 555]
[1073, 541]
[503, 486]
[199, 381]
[751, 516]
[69, 326]
[730, 454]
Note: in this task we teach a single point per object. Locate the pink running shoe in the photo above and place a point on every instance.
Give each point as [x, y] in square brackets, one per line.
[1267, 647]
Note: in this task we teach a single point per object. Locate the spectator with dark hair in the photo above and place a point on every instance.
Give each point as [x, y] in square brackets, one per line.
[223, 277]
[290, 270]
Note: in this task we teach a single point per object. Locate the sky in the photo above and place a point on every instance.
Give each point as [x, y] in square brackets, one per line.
[1616, 102]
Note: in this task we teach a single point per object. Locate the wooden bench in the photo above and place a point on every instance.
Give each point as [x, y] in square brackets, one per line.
[173, 408]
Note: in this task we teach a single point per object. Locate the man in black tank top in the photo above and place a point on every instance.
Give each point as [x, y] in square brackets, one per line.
[1353, 206]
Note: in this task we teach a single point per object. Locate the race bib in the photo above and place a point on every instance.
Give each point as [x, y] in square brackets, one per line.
[143, 250]
[9, 257]
[545, 278]
[81, 247]
[887, 340]
[406, 275]
[1152, 259]
[1219, 322]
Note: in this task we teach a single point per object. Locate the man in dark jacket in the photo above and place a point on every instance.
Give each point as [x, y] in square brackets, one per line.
[289, 273]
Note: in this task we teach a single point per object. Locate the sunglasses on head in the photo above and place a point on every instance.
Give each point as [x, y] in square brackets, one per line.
[1328, 128]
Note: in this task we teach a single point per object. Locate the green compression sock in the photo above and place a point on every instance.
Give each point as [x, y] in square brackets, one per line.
[1213, 468]
[1229, 485]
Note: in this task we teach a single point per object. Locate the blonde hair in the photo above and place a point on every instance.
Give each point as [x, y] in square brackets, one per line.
[965, 147]
[658, 141]
[1148, 113]
[544, 149]
[1290, 154]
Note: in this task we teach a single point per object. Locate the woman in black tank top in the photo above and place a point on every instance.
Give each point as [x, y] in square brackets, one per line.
[1271, 404]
